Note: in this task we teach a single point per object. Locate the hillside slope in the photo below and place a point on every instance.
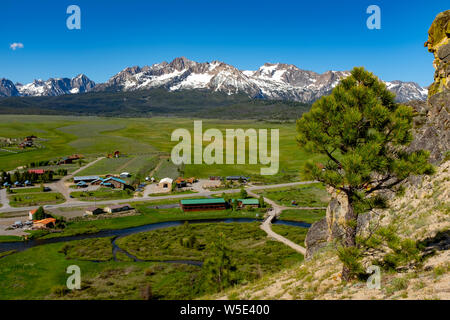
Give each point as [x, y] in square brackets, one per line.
[410, 240]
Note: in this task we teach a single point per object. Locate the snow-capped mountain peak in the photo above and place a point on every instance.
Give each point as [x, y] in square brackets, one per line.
[276, 81]
[56, 86]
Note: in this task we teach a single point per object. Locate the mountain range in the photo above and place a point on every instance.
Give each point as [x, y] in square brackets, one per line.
[271, 81]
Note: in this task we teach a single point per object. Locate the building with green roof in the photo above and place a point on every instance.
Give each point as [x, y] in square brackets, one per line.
[203, 204]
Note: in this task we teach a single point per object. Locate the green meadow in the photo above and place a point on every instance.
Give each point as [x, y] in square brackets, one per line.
[308, 195]
[40, 272]
[141, 139]
[35, 199]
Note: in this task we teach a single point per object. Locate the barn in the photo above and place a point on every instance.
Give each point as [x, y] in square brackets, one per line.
[203, 204]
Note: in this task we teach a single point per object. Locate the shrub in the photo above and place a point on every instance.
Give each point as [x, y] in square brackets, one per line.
[60, 290]
[351, 258]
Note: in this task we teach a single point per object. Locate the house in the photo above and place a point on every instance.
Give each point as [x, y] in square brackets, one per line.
[215, 178]
[203, 204]
[118, 208]
[254, 203]
[85, 179]
[180, 182]
[76, 157]
[165, 184]
[82, 184]
[94, 211]
[44, 223]
[114, 182]
[36, 171]
[31, 214]
[65, 160]
[191, 180]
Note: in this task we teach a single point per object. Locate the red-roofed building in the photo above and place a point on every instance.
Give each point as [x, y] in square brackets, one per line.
[44, 223]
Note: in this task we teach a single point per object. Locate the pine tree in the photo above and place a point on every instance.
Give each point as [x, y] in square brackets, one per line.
[363, 133]
[219, 269]
[40, 214]
[261, 201]
[243, 194]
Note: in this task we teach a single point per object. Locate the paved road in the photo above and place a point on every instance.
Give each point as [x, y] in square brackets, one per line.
[77, 203]
[4, 200]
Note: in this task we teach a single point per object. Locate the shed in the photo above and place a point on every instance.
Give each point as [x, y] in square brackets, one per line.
[248, 202]
[118, 208]
[94, 210]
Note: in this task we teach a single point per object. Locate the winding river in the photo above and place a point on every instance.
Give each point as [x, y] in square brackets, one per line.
[118, 233]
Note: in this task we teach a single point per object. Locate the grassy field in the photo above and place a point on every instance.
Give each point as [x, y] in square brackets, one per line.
[310, 195]
[9, 238]
[309, 216]
[40, 272]
[132, 164]
[251, 248]
[35, 199]
[25, 190]
[102, 194]
[296, 235]
[95, 136]
[99, 249]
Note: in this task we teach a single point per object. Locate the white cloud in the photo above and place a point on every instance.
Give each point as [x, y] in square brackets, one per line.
[16, 45]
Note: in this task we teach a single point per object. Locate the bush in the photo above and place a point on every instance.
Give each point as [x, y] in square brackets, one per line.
[60, 291]
[397, 284]
[351, 258]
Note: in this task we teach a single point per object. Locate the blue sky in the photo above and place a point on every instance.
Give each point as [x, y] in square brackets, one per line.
[315, 35]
